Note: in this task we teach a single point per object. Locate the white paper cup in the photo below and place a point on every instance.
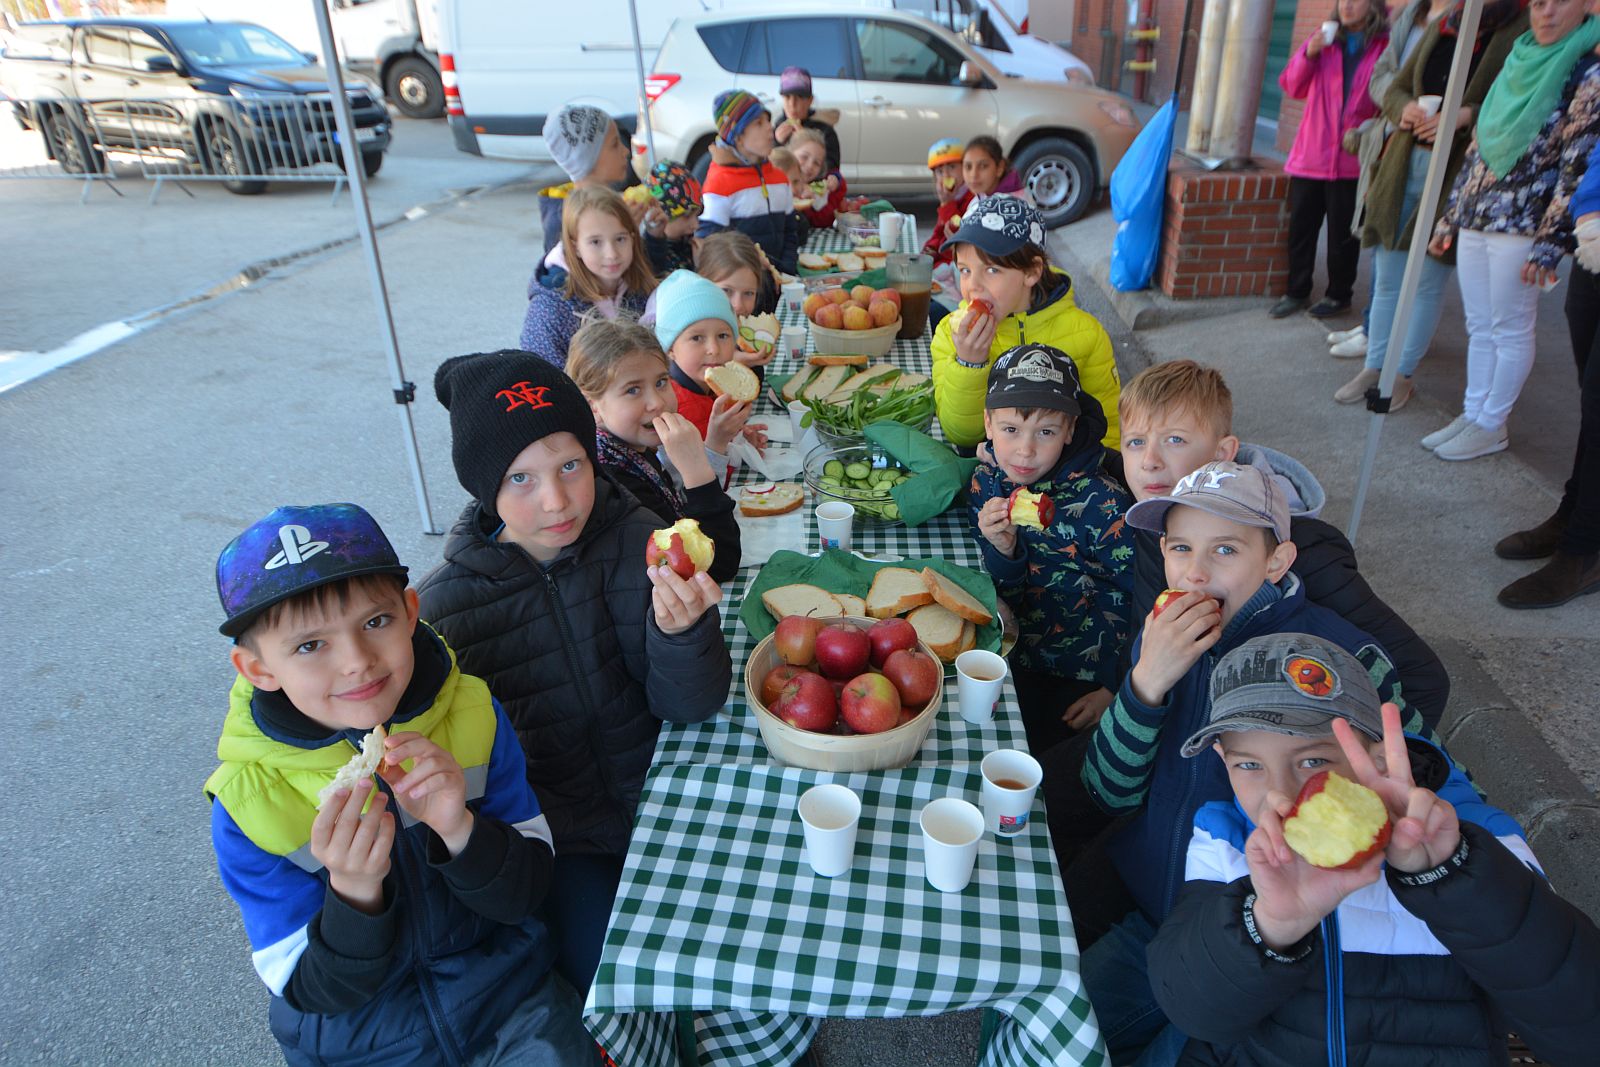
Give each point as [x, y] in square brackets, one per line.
[792, 341]
[794, 294]
[951, 829]
[889, 224]
[1010, 780]
[1329, 31]
[1430, 104]
[834, 521]
[830, 815]
[979, 676]
[797, 410]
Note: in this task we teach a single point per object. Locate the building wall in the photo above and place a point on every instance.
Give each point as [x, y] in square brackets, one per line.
[1099, 23]
[1308, 16]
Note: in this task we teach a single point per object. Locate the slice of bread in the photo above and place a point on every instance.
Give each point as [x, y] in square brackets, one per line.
[895, 591]
[778, 499]
[800, 379]
[870, 254]
[969, 637]
[957, 599]
[812, 261]
[849, 261]
[940, 629]
[853, 605]
[735, 380]
[832, 258]
[827, 380]
[801, 599]
[841, 359]
[878, 372]
[361, 767]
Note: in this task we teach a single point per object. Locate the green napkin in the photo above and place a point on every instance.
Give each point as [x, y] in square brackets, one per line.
[845, 572]
[938, 475]
[870, 211]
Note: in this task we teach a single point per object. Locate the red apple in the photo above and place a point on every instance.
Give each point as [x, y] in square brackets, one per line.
[907, 715]
[838, 296]
[842, 650]
[1167, 597]
[883, 313]
[681, 546]
[871, 704]
[915, 676]
[807, 703]
[813, 303]
[830, 317]
[891, 295]
[1336, 823]
[856, 318]
[1030, 509]
[776, 679]
[861, 294]
[975, 307]
[890, 635]
[796, 639]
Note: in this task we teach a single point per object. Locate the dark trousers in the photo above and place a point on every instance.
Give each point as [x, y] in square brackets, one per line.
[577, 911]
[1581, 501]
[1079, 831]
[1311, 201]
[1043, 699]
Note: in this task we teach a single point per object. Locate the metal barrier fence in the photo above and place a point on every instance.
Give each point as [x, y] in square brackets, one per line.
[241, 141]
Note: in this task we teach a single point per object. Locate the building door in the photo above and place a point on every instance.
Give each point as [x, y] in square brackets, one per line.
[1279, 47]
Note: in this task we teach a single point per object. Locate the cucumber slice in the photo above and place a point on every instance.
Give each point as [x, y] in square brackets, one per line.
[891, 512]
[833, 469]
[857, 470]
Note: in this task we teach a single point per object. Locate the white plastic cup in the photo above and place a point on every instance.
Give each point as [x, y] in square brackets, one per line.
[792, 341]
[979, 677]
[794, 294]
[889, 224]
[1430, 104]
[1010, 780]
[830, 814]
[797, 411]
[951, 829]
[834, 522]
[1329, 31]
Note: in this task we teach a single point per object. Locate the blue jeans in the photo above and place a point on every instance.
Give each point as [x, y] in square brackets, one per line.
[1388, 268]
[546, 1030]
[1117, 977]
[577, 911]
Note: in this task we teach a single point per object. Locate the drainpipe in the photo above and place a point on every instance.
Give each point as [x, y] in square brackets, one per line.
[1207, 73]
[1244, 64]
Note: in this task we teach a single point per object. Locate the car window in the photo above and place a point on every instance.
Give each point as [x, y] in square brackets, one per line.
[107, 47]
[725, 41]
[974, 24]
[819, 45]
[755, 59]
[899, 52]
[141, 46]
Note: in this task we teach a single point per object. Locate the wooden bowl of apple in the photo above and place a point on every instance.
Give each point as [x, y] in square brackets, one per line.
[844, 694]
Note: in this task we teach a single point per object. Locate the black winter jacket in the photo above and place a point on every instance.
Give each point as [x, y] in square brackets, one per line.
[573, 653]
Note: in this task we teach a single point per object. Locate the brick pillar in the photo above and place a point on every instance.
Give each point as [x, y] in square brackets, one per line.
[1226, 233]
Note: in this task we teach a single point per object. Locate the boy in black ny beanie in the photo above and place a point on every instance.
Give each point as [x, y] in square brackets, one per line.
[544, 593]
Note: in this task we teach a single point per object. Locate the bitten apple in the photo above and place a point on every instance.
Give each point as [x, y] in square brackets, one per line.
[1167, 597]
[1336, 823]
[778, 677]
[807, 703]
[842, 650]
[795, 639]
[890, 635]
[1030, 509]
[871, 704]
[915, 676]
[975, 307]
[683, 546]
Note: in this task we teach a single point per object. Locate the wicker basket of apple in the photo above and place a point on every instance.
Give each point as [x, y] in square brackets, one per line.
[844, 694]
[859, 320]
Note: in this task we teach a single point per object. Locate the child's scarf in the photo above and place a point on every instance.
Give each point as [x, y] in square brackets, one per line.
[614, 452]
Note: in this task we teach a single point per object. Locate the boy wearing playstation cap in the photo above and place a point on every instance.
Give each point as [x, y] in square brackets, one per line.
[1424, 953]
[404, 932]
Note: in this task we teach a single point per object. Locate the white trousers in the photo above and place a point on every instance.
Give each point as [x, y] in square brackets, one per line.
[1501, 313]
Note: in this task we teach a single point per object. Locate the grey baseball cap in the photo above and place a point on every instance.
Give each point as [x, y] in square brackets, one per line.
[1229, 490]
[1291, 684]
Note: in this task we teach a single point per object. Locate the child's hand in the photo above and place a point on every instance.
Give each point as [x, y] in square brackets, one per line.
[1173, 641]
[1426, 829]
[1086, 711]
[681, 442]
[833, 182]
[1351, 142]
[755, 359]
[728, 417]
[655, 220]
[1292, 896]
[682, 226]
[433, 792]
[756, 434]
[994, 522]
[973, 335]
[639, 212]
[355, 847]
[952, 225]
[679, 602]
[783, 131]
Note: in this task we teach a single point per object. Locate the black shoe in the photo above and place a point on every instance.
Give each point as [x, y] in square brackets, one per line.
[1288, 305]
[1327, 309]
[1564, 578]
[1537, 543]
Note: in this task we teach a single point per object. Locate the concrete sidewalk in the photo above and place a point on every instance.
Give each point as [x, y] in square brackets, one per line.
[1524, 714]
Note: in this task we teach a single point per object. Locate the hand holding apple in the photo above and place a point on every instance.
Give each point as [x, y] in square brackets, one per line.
[683, 547]
[1293, 897]
[1033, 510]
[1175, 637]
[1426, 830]
[678, 602]
[994, 522]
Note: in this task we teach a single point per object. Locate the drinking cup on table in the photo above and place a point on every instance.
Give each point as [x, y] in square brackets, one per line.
[797, 410]
[951, 829]
[834, 521]
[1010, 780]
[1329, 31]
[830, 814]
[979, 676]
[1430, 104]
[889, 224]
[792, 342]
[794, 294]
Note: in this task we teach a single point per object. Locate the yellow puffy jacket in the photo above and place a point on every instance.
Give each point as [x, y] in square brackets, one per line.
[958, 390]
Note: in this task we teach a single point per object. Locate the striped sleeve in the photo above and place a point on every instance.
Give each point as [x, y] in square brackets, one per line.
[1121, 755]
[1387, 682]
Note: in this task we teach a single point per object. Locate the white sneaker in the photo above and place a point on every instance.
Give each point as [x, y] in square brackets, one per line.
[1440, 436]
[1350, 347]
[1473, 442]
[1338, 336]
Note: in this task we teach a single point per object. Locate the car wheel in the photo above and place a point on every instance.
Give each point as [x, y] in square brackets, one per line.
[415, 88]
[70, 146]
[371, 162]
[1059, 177]
[223, 151]
[700, 162]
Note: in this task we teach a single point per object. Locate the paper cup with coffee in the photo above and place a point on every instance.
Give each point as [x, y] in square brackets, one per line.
[1330, 30]
[979, 677]
[1010, 780]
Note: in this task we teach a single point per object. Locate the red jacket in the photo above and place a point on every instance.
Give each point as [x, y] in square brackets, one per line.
[822, 217]
[1330, 111]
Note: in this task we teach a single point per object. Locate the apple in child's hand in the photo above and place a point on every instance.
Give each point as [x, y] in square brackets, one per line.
[681, 546]
[807, 703]
[843, 650]
[796, 639]
[891, 295]
[1336, 823]
[830, 317]
[856, 318]
[975, 307]
[915, 676]
[861, 294]
[883, 312]
[1030, 509]
[778, 677]
[871, 704]
[1167, 597]
[890, 635]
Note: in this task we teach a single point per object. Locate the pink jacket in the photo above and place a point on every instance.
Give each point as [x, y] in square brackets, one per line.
[1329, 111]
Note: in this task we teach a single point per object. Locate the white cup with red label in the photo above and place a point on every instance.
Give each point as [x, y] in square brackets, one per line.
[979, 677]
[834, 522]
[1010, 780]
[794, 294]
[793, 342]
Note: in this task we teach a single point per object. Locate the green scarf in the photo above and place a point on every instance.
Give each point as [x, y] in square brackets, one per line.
[1527, 89]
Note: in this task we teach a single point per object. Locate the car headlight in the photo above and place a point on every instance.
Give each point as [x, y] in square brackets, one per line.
[1121, 114]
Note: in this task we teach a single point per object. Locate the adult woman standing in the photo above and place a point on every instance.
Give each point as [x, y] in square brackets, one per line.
[1508, 214]
[1396, 187]
[1331, 77]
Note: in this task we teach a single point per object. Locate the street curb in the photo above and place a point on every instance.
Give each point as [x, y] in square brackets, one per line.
[1148, 309]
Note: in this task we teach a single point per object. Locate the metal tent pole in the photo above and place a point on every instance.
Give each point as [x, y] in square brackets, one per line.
[644, 99]
[403, 391]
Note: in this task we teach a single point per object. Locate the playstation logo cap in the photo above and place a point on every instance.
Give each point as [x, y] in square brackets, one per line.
[295, 549]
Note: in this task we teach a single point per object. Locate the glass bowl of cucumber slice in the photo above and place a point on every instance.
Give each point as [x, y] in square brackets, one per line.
[860, 475]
